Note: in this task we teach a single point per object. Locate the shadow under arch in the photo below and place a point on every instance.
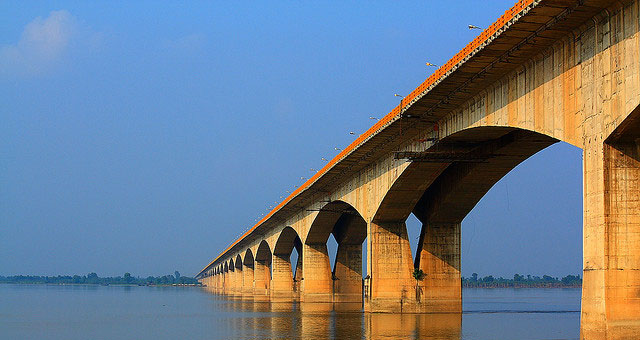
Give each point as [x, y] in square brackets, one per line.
[232, 267]
[262, 269]
[440, 187]
[344, 283]
[283, 280]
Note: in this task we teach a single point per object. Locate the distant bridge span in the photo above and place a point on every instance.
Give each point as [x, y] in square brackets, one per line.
[545, 71]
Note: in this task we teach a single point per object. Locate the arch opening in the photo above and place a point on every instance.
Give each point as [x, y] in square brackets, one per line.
[439, 188]
[283, 269]
[339, 277]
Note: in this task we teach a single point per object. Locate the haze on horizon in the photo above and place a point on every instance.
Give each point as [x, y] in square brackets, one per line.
[145, 138]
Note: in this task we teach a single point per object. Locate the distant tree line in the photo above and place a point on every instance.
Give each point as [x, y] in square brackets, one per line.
[94, 279]
[521, 281]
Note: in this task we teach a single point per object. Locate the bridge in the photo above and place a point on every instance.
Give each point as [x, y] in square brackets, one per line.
[545, 71]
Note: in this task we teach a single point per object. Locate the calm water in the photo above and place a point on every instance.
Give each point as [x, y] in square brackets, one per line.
[95, 312]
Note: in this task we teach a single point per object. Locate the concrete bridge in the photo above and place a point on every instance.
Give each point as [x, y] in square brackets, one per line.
[545, 71]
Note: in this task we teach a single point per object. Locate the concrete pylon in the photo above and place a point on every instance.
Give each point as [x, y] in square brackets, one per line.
[347, 273]
[317, 285]
[611, 276]
[262, 278]
[247, 280]
[390, 266]
[440, 290]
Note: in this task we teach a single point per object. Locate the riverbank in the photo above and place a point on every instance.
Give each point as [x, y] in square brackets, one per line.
[94, 279]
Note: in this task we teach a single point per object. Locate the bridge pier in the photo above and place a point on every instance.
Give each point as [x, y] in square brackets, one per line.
[262, 277]
[611, 277]
[247, 280]
[347, 273]
[239, 277]
[317, 285]
[390, 266]
[438, 256]
[282, 279]
[233, 281]
[393, 287]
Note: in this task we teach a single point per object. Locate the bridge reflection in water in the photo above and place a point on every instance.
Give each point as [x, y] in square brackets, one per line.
[501, 313]
[264, 319]
[279, 320]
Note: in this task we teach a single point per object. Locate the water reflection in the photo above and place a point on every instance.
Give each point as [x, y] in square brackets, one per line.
[413, 326]
[280, 320]
[97, 312]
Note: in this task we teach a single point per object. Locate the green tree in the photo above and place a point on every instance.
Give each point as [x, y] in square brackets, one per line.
[92, 278]
[127, 278]
[419, 275]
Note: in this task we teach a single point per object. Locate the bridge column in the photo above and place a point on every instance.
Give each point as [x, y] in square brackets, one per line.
[239, 280]
[316, 274]
[232, 281]
[221, 287]
[391, 284]
[247, 280]
[440, 291]
[347, 275]
[611, 277]
[262, 277]
[225, 282]
[282, 278]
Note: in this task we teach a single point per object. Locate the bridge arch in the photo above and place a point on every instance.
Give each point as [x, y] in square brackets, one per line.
[344, 281]
[440, 187]
[283, 280]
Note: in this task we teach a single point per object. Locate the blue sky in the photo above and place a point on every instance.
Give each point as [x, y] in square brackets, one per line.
[143, 137]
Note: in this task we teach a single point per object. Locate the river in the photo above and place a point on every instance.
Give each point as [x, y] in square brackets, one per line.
[112, 312]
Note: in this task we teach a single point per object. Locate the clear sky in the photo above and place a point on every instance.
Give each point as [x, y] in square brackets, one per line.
[145, 136]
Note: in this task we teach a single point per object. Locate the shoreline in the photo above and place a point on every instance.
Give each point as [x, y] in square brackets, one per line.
[101, 284]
